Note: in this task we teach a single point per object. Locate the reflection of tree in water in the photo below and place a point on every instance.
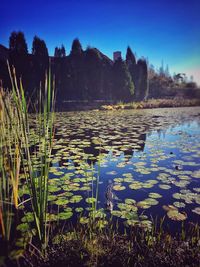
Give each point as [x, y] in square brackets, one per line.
[104, 132]
[96, 150]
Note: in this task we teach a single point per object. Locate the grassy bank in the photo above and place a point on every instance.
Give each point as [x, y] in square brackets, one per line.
[154, 103]
[86, 246]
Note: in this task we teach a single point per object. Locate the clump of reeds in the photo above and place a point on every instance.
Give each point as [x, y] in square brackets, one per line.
[16, 158]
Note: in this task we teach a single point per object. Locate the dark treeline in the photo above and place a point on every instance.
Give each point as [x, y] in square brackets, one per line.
[83, 74]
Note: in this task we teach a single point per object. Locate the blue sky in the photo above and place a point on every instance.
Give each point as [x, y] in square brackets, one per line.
[167, 30]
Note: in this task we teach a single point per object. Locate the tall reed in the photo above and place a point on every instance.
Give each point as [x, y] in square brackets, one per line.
[20, 150]
[10, 160]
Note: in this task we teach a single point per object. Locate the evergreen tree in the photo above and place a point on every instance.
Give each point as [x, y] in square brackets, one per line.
[130, 57]
[17, 43]
[123, 88]
[59, 51]
[63, 52]
[142, 80]
[56, 52]
[39, 47]
[76, 47]
[93, 73]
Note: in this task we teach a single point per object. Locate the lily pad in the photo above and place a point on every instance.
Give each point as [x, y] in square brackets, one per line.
[90, 200]
[65, 215]
[119, 187]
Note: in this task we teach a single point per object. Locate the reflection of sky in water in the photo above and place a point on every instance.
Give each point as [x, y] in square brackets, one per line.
[170, 140]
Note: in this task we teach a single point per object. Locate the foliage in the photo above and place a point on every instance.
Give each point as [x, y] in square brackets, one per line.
[17, 43]
[87, 75]
[76, 47]
[130, 57]
[141, 80]
[60, 51]
[16, 155]
[123, 84]
[39, 48]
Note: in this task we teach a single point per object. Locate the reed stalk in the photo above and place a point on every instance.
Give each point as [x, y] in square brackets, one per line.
[16, 153]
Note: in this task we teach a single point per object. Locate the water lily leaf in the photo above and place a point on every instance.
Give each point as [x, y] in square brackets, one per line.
[151, 201]
[80, 209]
[75, 199]
[65, 215]
[196, 210]
[130, 201]
[135, 186]
[23, 227]
[84, 220]
[164, 186]
[179, 204]
[175, 215]
[61, 202]
[119, 187]
[143, 204]
[118, 180]
[90, 200]
[154, 195]
[116, 213]
[28, 217]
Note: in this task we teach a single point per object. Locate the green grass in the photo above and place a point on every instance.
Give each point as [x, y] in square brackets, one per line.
[109, 247]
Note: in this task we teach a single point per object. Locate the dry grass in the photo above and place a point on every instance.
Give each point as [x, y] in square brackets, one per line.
[154, 103]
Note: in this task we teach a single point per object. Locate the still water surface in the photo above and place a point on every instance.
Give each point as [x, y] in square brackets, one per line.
[151, 157]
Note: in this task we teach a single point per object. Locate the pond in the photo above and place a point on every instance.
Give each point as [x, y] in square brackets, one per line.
[150, 158]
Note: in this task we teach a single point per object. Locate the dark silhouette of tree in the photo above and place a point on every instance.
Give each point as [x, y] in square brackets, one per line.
[141, 91]
[40, 63]
[17, 43]
[93, 74]
[130, 57]
[63, 51]
[89, 75]
[76, 47]
[39, 47]
[56, 52]
[60, 52]
[123, 86]
[131, 63]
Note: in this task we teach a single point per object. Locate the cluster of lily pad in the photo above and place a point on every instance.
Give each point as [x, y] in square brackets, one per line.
[130, 150]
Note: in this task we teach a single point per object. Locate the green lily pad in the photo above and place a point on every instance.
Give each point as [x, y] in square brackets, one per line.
[28, 217]
[154, 195]
[84, 220]
[119, 187]
[65, 215]
[90, 200]
[116, 213]
[80, 209]
[61, 202]
[75, 199]
[130, 201]
[164, 186]
[179, 204]
[23, 227]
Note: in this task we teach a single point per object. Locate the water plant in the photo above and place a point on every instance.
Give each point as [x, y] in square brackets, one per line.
[17, 149]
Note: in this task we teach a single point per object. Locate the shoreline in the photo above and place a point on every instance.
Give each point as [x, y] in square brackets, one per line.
[146, 104]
